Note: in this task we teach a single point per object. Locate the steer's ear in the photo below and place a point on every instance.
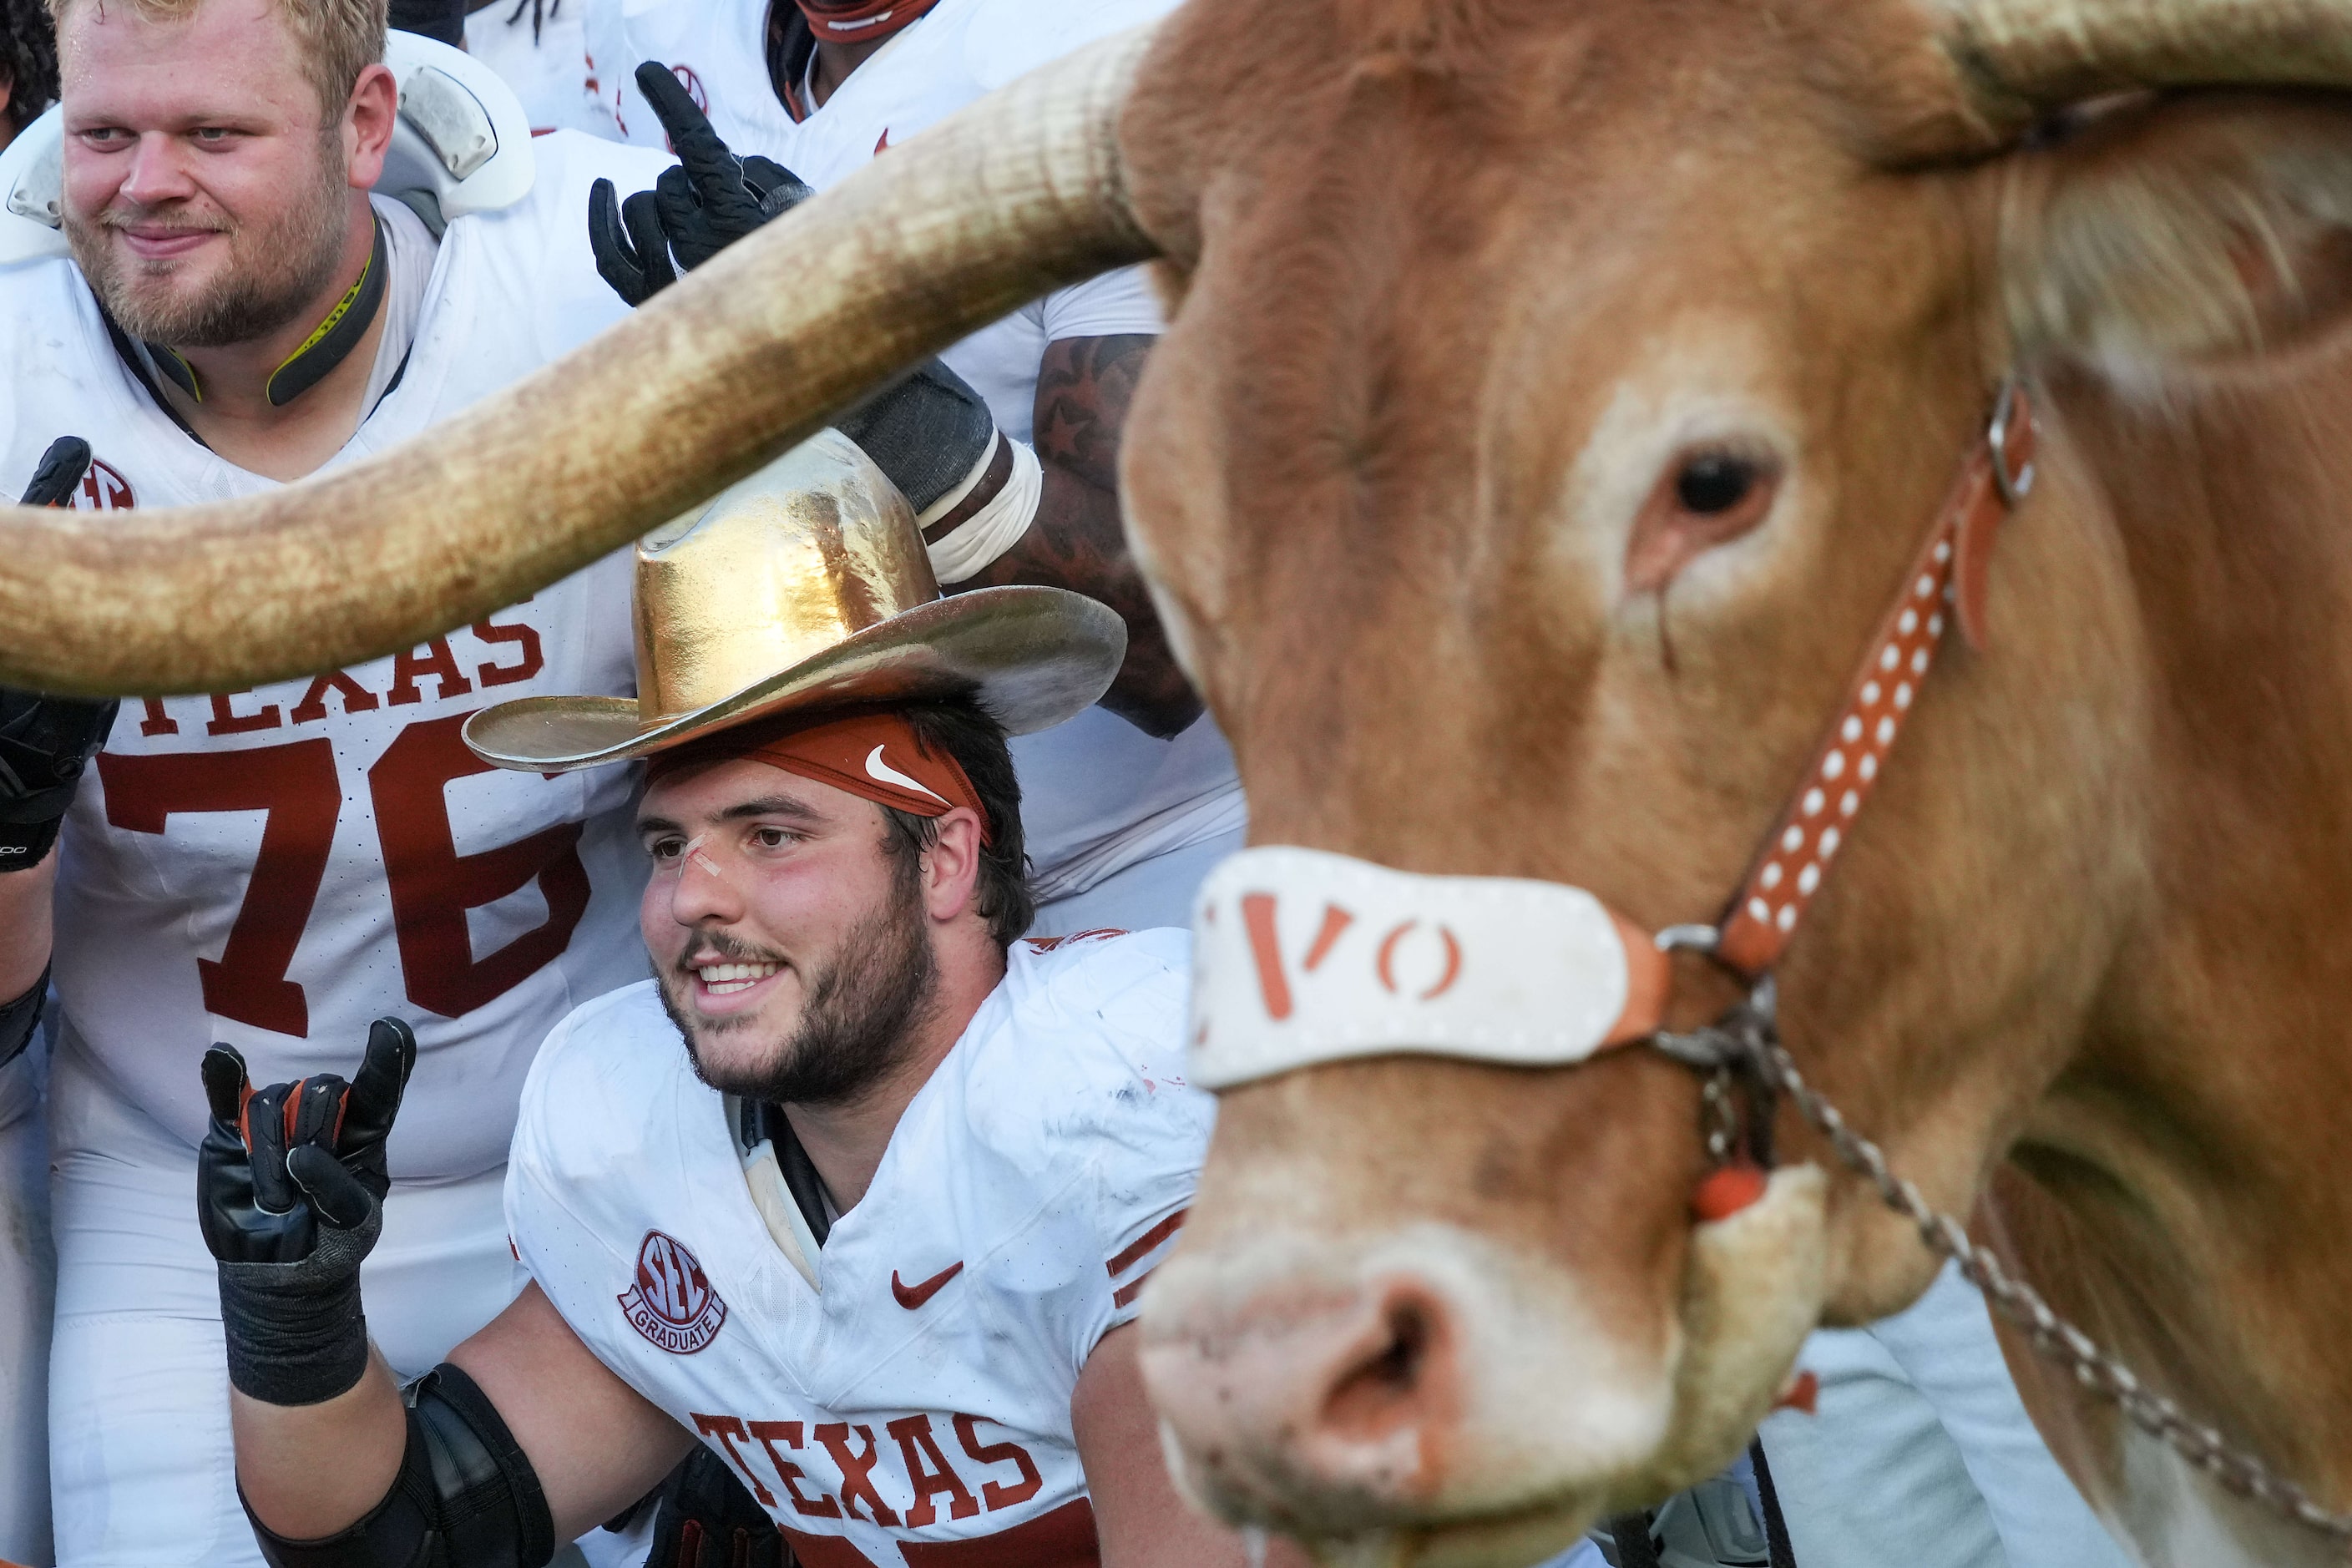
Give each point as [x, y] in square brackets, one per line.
[2194, 229]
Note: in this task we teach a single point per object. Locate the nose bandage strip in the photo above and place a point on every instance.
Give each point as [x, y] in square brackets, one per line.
[1302, 957]
[696, 858]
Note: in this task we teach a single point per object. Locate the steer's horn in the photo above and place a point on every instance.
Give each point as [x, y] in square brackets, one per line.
[2019, 57]
[1018, 195]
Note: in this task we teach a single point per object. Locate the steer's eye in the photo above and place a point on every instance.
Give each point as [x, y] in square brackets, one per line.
[1708, 495]
[1711, 483]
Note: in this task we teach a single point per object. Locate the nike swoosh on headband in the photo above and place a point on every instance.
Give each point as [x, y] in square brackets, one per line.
[883, 773]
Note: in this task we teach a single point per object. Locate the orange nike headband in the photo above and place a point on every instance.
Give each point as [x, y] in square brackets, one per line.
[875, 754]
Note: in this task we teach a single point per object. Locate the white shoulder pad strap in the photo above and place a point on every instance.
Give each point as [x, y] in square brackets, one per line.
[764, 1176]
[462, 144]
[1304, 957]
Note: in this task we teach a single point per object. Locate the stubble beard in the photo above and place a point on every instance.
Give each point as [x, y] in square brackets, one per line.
[273, 276]
[857, 1021]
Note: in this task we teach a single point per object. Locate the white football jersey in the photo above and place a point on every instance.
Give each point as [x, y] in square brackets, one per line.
[1097, 793]
[539, 48]
[911, 1402]
[275, 868]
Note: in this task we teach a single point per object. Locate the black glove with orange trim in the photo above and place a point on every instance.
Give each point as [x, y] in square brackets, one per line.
[291, 1183]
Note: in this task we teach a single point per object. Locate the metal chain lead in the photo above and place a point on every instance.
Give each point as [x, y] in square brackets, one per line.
[2052, 1337]
[1749, 1038]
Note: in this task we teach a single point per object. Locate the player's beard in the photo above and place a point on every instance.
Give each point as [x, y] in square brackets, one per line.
[858, 1014]
[275, 272]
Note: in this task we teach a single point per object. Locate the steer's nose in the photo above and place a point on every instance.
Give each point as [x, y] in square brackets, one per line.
[1352, 1397]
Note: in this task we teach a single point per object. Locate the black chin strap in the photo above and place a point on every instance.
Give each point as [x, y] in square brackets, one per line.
[328, 346]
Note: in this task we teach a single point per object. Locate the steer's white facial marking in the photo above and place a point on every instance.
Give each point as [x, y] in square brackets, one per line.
[1643, 495]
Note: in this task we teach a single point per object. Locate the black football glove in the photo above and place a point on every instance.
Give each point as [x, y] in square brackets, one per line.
[711, 200]
[291, 1183]
[45, 743]
[708, 1519]
[926, 433]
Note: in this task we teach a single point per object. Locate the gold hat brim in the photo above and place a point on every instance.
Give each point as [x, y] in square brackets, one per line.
[1032, 655]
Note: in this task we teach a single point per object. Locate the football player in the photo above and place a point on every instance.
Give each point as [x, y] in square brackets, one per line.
[1011, 451]
[859, 1192]
[264, 266]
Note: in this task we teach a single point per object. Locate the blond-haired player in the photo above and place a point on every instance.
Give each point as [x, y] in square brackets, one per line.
[262, 267]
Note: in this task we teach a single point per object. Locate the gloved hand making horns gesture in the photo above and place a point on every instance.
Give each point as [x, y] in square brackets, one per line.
[290, 1182]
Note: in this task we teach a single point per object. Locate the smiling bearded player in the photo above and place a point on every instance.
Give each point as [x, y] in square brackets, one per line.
[859, 1192]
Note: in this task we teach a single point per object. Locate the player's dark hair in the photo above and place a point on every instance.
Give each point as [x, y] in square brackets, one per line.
[968, 732]
[443, 20]
[28, 58]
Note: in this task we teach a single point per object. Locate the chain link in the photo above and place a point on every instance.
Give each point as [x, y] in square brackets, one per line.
[1748, 1041]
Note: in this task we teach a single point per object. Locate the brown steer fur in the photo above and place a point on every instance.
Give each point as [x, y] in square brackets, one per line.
[1456, 280]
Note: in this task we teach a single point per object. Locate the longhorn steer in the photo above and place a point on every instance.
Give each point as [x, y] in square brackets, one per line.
[1557, 395]
[1477, 303]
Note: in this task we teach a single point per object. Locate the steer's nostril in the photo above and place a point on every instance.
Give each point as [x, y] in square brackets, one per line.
[1360, 1390]
[1399, 1377]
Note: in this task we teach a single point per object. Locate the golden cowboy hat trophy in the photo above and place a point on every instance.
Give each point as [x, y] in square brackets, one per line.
[807, 586]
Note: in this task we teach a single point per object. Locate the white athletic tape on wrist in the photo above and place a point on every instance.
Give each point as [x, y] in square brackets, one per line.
[1302, 957]
[954, 498]
[994, 528]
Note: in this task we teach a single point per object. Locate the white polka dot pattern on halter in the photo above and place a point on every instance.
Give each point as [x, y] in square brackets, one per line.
[1849, 762]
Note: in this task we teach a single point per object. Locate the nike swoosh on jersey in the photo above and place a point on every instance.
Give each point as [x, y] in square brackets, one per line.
[913, 1297]
[882, 772]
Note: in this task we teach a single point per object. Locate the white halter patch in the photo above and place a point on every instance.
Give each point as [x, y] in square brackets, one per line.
[1302, 957]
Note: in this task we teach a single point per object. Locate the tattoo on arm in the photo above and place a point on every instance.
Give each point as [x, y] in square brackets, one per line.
[1083, 388]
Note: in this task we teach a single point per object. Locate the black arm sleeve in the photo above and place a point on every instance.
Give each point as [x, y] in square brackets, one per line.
[465, 1496]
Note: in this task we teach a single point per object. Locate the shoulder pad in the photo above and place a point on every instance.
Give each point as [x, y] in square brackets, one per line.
[461, 145]
[32, 190]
